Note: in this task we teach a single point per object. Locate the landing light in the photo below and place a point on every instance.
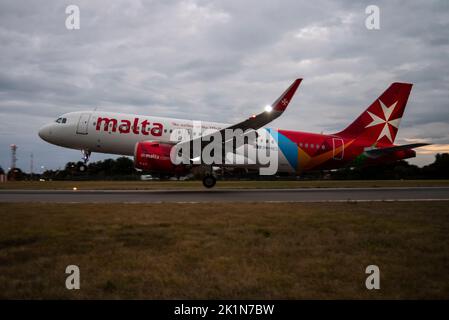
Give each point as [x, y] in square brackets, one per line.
[268, 108]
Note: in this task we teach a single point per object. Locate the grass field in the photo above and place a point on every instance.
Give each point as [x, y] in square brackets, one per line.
[149, 185]
[266, 251]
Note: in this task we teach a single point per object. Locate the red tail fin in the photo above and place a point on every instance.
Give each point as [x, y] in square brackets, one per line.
[380, 122]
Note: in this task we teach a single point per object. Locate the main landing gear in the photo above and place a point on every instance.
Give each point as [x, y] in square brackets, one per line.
[209, 181]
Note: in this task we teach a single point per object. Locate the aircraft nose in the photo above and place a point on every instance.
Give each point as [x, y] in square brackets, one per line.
[44, 132]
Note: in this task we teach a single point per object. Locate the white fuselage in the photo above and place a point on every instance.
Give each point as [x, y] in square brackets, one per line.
[118, 133]
[106, 132]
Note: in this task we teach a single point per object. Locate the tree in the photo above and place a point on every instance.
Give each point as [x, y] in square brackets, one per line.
[15, 174]
[439, 169]
[123, 166]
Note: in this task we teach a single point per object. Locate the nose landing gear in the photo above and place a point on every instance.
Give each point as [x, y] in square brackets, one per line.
[86, 155]
[85, 158]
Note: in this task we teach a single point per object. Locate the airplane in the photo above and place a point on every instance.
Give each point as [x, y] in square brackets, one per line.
[152, 141]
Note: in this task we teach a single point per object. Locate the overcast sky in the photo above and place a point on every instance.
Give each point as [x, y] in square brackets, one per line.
[219, 61]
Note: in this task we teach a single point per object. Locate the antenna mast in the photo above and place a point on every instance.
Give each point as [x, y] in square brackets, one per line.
[13, 156]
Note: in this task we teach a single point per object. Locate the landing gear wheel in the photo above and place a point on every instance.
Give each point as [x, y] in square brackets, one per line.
[86, 156]
[209, 181]
[82, 168]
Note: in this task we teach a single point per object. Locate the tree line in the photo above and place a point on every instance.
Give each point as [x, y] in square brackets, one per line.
[123, 169]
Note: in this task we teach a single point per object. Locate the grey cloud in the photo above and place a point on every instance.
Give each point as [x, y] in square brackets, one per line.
[220, 61]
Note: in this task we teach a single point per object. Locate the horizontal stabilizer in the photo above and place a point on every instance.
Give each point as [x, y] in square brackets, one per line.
[376, 153]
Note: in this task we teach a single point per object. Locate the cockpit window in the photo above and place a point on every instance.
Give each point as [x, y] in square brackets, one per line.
[64, 120]
[61, 120]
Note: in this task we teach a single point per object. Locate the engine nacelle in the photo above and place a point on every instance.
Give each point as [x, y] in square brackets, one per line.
[155, 157]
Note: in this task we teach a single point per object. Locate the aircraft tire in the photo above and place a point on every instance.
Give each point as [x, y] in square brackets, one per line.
[209, 181]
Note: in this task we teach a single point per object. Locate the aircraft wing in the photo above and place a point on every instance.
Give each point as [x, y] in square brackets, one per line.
[253, 123]
[376, 153]
[278, 107]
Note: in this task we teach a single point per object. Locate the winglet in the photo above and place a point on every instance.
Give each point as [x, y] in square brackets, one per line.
[282, 102]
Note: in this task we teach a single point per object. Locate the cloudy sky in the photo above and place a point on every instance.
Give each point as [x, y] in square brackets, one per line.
[219, 61]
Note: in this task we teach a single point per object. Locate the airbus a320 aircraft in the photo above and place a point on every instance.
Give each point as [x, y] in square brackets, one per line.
[150, 140]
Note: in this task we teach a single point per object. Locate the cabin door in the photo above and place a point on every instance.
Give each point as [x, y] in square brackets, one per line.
[339, 148]
[83, 123]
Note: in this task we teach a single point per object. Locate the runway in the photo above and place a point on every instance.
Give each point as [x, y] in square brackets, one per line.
[227, 195]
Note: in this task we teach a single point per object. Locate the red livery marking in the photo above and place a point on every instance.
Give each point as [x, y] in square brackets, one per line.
[125, 127]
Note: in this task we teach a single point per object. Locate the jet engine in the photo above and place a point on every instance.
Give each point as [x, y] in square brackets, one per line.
[155, 156]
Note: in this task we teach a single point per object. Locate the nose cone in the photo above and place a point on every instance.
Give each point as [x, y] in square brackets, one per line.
[45, 132]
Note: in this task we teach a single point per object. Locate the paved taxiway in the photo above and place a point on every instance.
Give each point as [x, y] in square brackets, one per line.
[227, 195]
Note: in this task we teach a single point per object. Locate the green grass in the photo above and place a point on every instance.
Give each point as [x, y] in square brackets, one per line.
[235, 251]
[149, 185]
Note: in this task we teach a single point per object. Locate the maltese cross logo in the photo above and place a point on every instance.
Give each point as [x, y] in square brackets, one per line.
[284, 102]
[386, 122]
